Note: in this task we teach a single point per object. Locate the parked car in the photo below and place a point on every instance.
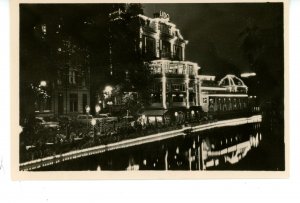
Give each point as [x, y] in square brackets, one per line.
[106, 117]
[82, 118]
[101, 117]
[47, 122]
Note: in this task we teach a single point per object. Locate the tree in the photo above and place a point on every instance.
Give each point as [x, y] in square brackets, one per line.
[263, 49]
[128, 64]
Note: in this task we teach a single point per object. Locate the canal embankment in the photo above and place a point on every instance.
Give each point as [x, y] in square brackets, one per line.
[55, 159]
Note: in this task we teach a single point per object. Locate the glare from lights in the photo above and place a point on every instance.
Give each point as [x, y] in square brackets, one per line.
[43, 83]
[93, 122]
[97, 108]
[108, 89]
[87, 108]
[247, 75]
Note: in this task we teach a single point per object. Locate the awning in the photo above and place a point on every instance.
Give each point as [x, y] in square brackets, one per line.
[154, 112]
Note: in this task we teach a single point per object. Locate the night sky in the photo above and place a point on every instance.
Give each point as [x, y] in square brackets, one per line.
[213, 29]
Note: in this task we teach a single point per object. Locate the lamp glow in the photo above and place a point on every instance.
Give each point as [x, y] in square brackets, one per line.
[93, 122]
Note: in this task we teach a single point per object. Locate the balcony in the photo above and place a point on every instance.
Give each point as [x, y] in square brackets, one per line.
[165, 54]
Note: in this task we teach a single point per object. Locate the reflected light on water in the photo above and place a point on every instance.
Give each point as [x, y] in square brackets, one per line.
[216, 162]
[177, 150]
[260, 137]
[209, 151]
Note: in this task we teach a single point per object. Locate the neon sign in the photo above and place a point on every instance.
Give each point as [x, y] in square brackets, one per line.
[162, 14]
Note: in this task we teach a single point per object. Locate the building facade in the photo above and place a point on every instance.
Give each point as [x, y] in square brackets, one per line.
[71, 92]
[161, 47]
[66, 77]
[177, 91]
[176, 84]
[160, 39]
[227, 95]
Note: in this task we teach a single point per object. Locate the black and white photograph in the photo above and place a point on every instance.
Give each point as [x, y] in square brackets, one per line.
[180, 87]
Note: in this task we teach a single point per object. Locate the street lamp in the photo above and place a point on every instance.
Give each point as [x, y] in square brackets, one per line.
[87, 109]
[43, 83]
[97, 108]
[93, 122]
[192, 114]
[144, 119]
[108, 89]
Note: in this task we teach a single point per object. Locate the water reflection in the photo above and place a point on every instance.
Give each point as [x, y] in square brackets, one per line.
[207, 150]
[202, 151]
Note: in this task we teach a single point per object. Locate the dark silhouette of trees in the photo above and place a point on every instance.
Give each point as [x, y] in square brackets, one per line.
[263, 49]
[128, 65]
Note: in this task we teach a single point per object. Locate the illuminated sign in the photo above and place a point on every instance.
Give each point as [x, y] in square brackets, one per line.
[162, 14]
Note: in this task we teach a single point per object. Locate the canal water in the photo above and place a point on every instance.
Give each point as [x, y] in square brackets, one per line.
[245, 147]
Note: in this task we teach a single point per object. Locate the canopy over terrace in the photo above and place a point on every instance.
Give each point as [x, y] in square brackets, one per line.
[154, 116]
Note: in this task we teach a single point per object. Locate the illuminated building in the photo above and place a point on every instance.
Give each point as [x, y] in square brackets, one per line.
[161, 47]
[228, 94]
[176, 84]
[178, 89]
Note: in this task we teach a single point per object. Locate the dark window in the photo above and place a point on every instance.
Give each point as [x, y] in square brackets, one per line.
[191, 97]
[149, 46]
[157, 87]
[73, 103]
[166, 49]
[177, 52]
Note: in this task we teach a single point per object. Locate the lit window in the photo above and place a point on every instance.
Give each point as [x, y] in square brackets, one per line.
[72, 77]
